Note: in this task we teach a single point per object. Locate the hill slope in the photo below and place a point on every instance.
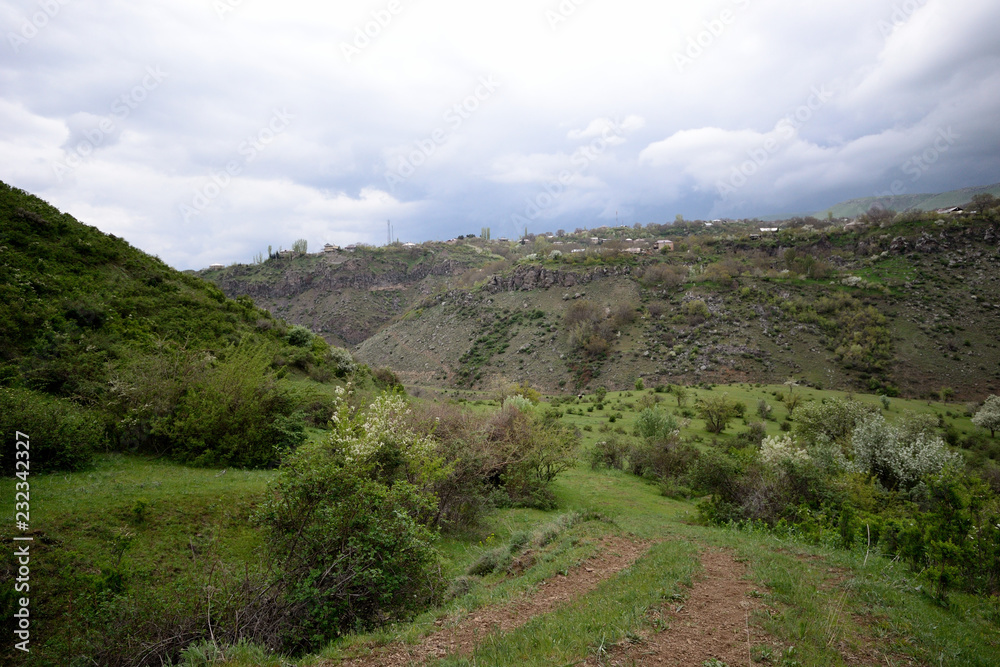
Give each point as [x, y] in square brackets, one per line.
[347, 296]
[915, 306]
[923, 202]
[106, 346]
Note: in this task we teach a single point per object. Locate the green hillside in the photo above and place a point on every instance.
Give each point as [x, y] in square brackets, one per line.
[106, 347]
[923, 202]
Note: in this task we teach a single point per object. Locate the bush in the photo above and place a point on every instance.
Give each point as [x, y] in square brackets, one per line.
[662, 459]
[236, 414]
[896, 457]
[655, 424]
[61, 435]
[505, 457]
[822, 424]
[696, 311]
[347, 526]
[342, 361]
[775, 450]
[609, 453]
[988, 416]
[300, 336]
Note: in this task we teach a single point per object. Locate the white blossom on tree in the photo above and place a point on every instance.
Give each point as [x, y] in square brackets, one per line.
[988, 416]
[778, 448]
[897, 456]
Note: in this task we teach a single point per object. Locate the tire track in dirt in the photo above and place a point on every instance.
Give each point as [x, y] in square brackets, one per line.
[614, 555]
[713, 622]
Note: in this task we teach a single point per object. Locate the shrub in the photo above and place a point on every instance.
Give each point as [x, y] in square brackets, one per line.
[696, 311]
[61, 435]
[386, 379]
[609, 453]
[518, 402]
[777, 449]
[236, 414]
[754, 435]
[655, 424]
[822, 424]
[342, 361]
[896, 457]
[347, 525]
[300, 336]
[663, 459]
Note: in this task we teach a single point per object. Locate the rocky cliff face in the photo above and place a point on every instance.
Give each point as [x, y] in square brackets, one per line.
[356, 274]
[536, 277]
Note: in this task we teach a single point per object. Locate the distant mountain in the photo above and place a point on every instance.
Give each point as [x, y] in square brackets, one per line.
[923, 202]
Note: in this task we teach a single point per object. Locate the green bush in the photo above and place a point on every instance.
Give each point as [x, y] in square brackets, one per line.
[347, 526]
[609, 454]
[300, 336]
[655, 424]
[61, 435]
[236, 414]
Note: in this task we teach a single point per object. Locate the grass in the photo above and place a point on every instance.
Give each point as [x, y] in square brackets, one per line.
[828, 603]
[162, 525]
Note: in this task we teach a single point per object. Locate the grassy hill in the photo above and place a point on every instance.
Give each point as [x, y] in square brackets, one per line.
[923, 202]
[107, 347]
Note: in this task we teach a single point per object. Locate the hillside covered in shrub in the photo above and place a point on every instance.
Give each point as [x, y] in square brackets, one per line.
[107, 348]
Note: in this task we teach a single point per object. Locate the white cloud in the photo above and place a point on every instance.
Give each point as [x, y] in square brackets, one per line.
[561, 85]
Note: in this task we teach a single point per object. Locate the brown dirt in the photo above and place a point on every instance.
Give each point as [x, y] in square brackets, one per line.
[713, 622]
[461, 637]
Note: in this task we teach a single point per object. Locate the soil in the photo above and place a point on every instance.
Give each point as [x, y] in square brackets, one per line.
[461, 637]
[712, 622]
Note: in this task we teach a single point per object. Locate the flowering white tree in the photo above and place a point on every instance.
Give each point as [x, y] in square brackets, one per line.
[988, 416]
[897, 456]
[778, 448]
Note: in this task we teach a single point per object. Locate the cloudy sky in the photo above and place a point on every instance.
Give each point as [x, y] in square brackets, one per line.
[205, 130]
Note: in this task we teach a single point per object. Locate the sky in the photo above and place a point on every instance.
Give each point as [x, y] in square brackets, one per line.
[206, 131]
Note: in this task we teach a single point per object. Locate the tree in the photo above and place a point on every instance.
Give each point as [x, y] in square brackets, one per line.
[988, 416]
[717, 411]
[681, 394]
[301, 246]
[792, 401]
[898, 456]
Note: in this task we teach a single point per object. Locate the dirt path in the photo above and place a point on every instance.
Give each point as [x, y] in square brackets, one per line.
[614, 555]
[713, 622]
